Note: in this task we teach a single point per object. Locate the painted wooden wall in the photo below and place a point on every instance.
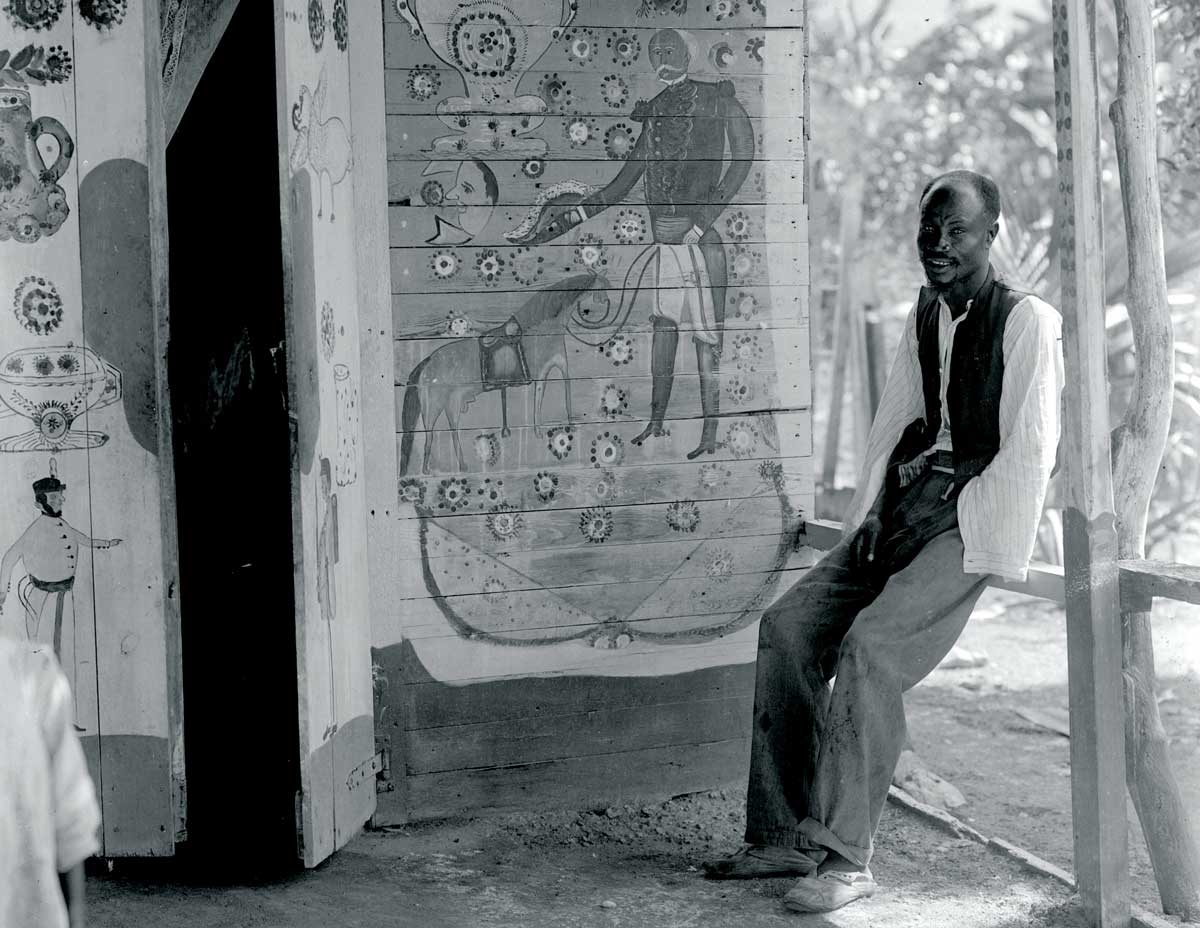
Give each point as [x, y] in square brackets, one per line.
[579, 602]
[82, 402]
[316, 124]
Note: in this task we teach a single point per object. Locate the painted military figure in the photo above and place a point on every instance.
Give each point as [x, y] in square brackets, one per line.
[693, 154]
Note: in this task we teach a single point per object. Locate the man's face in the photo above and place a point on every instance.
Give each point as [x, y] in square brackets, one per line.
[668, 55]
[469, 194]
[954, 236]
[54, 500]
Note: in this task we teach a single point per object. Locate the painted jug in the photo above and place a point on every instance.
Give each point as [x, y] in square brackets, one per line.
[32, 204]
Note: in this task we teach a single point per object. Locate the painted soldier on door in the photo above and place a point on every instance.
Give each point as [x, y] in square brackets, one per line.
[693, 155]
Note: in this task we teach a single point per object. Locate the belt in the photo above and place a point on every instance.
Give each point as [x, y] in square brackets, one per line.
[52, 586]
[942, 461]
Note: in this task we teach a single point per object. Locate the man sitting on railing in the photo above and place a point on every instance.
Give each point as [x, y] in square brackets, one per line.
[951, 492]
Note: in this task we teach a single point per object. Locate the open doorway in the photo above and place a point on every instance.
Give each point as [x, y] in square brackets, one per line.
[232, 452]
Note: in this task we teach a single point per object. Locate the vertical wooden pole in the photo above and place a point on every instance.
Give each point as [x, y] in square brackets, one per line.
[1093, 597]
[844, 323]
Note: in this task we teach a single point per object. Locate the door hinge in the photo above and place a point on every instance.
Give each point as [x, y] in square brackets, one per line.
[373, 767]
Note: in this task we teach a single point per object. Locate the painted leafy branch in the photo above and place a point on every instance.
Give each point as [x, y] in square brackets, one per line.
[35, 64]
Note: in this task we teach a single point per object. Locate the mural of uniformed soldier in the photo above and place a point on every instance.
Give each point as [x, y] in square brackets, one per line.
[687, 130]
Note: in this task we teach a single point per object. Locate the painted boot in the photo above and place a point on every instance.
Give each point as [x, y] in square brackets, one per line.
[662, 372]
[710, 397]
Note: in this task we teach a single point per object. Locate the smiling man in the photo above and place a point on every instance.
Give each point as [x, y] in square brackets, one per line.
[950, 492]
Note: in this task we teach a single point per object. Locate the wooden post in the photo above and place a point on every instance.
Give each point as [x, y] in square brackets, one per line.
[844, 339]
[1140, 443]
[1092, 588]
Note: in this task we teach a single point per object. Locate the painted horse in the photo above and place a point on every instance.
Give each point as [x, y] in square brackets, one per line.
[525, 349]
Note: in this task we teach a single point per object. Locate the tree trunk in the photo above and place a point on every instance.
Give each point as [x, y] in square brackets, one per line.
[1138, 446]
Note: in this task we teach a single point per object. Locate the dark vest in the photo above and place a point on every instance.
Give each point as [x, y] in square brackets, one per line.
[976, 373]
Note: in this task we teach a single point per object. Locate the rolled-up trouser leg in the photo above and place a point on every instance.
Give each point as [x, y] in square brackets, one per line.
[893, 644]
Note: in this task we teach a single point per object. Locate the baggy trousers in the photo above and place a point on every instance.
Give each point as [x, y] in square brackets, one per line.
[822, 759]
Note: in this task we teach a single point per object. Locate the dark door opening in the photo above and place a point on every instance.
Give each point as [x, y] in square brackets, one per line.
[232, 459]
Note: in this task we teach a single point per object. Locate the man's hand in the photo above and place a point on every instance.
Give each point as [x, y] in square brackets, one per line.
[692, 236]
[866, 541]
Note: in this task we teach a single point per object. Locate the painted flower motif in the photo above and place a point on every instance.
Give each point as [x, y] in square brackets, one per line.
[412, 491]
[10, 174]
[103, 14]
[494, 589]
[533, 167]
[608, 450]
[458, 325]
[578, 131]
[723, 9]
[722, 56]
[629, 227]
[683, 515]
[754, 48]
[504, 522]
[745, 305]
[27, 229]
[489, 265]
[746, 352]
[37, 305]
[713, 476]
[68, 363]
[606, 488]
[738, 226]
[581, 45]
[613, 401]
[423, 82]
[316, 24]
[556, 92]
[527, 266]
[619, 141]
[454, 493]
[718, 566]
[741, 440]
[15, 366]
[433, 193]
[561, 441]
[618, 349]
[491, 493]
[590, 252]
[759, 181]
[596, 524]
[625, 47]
[487, 449]
[328, 331]
[341, 25]
[34, 14]
[745, 262]
[444, 264]
[545, 484]
[739, 389]
[43, 365]
[614, 91]
[771, 472]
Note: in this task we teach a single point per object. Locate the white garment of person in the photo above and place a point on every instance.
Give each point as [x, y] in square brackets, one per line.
[48, 811]
[683, 290]
[998, 510]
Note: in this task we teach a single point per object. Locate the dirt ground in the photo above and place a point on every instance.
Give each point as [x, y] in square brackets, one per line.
[637, 866]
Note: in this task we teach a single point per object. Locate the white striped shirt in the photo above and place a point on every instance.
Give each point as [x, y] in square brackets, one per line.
[998, 511]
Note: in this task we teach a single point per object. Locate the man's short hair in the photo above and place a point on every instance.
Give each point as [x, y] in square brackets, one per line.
[984, 187]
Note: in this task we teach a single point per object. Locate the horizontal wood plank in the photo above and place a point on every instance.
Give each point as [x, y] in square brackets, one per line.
[601, 730]
[1143, 579]
[580, 782]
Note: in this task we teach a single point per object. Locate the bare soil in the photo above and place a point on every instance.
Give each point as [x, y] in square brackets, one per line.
[638, 866]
